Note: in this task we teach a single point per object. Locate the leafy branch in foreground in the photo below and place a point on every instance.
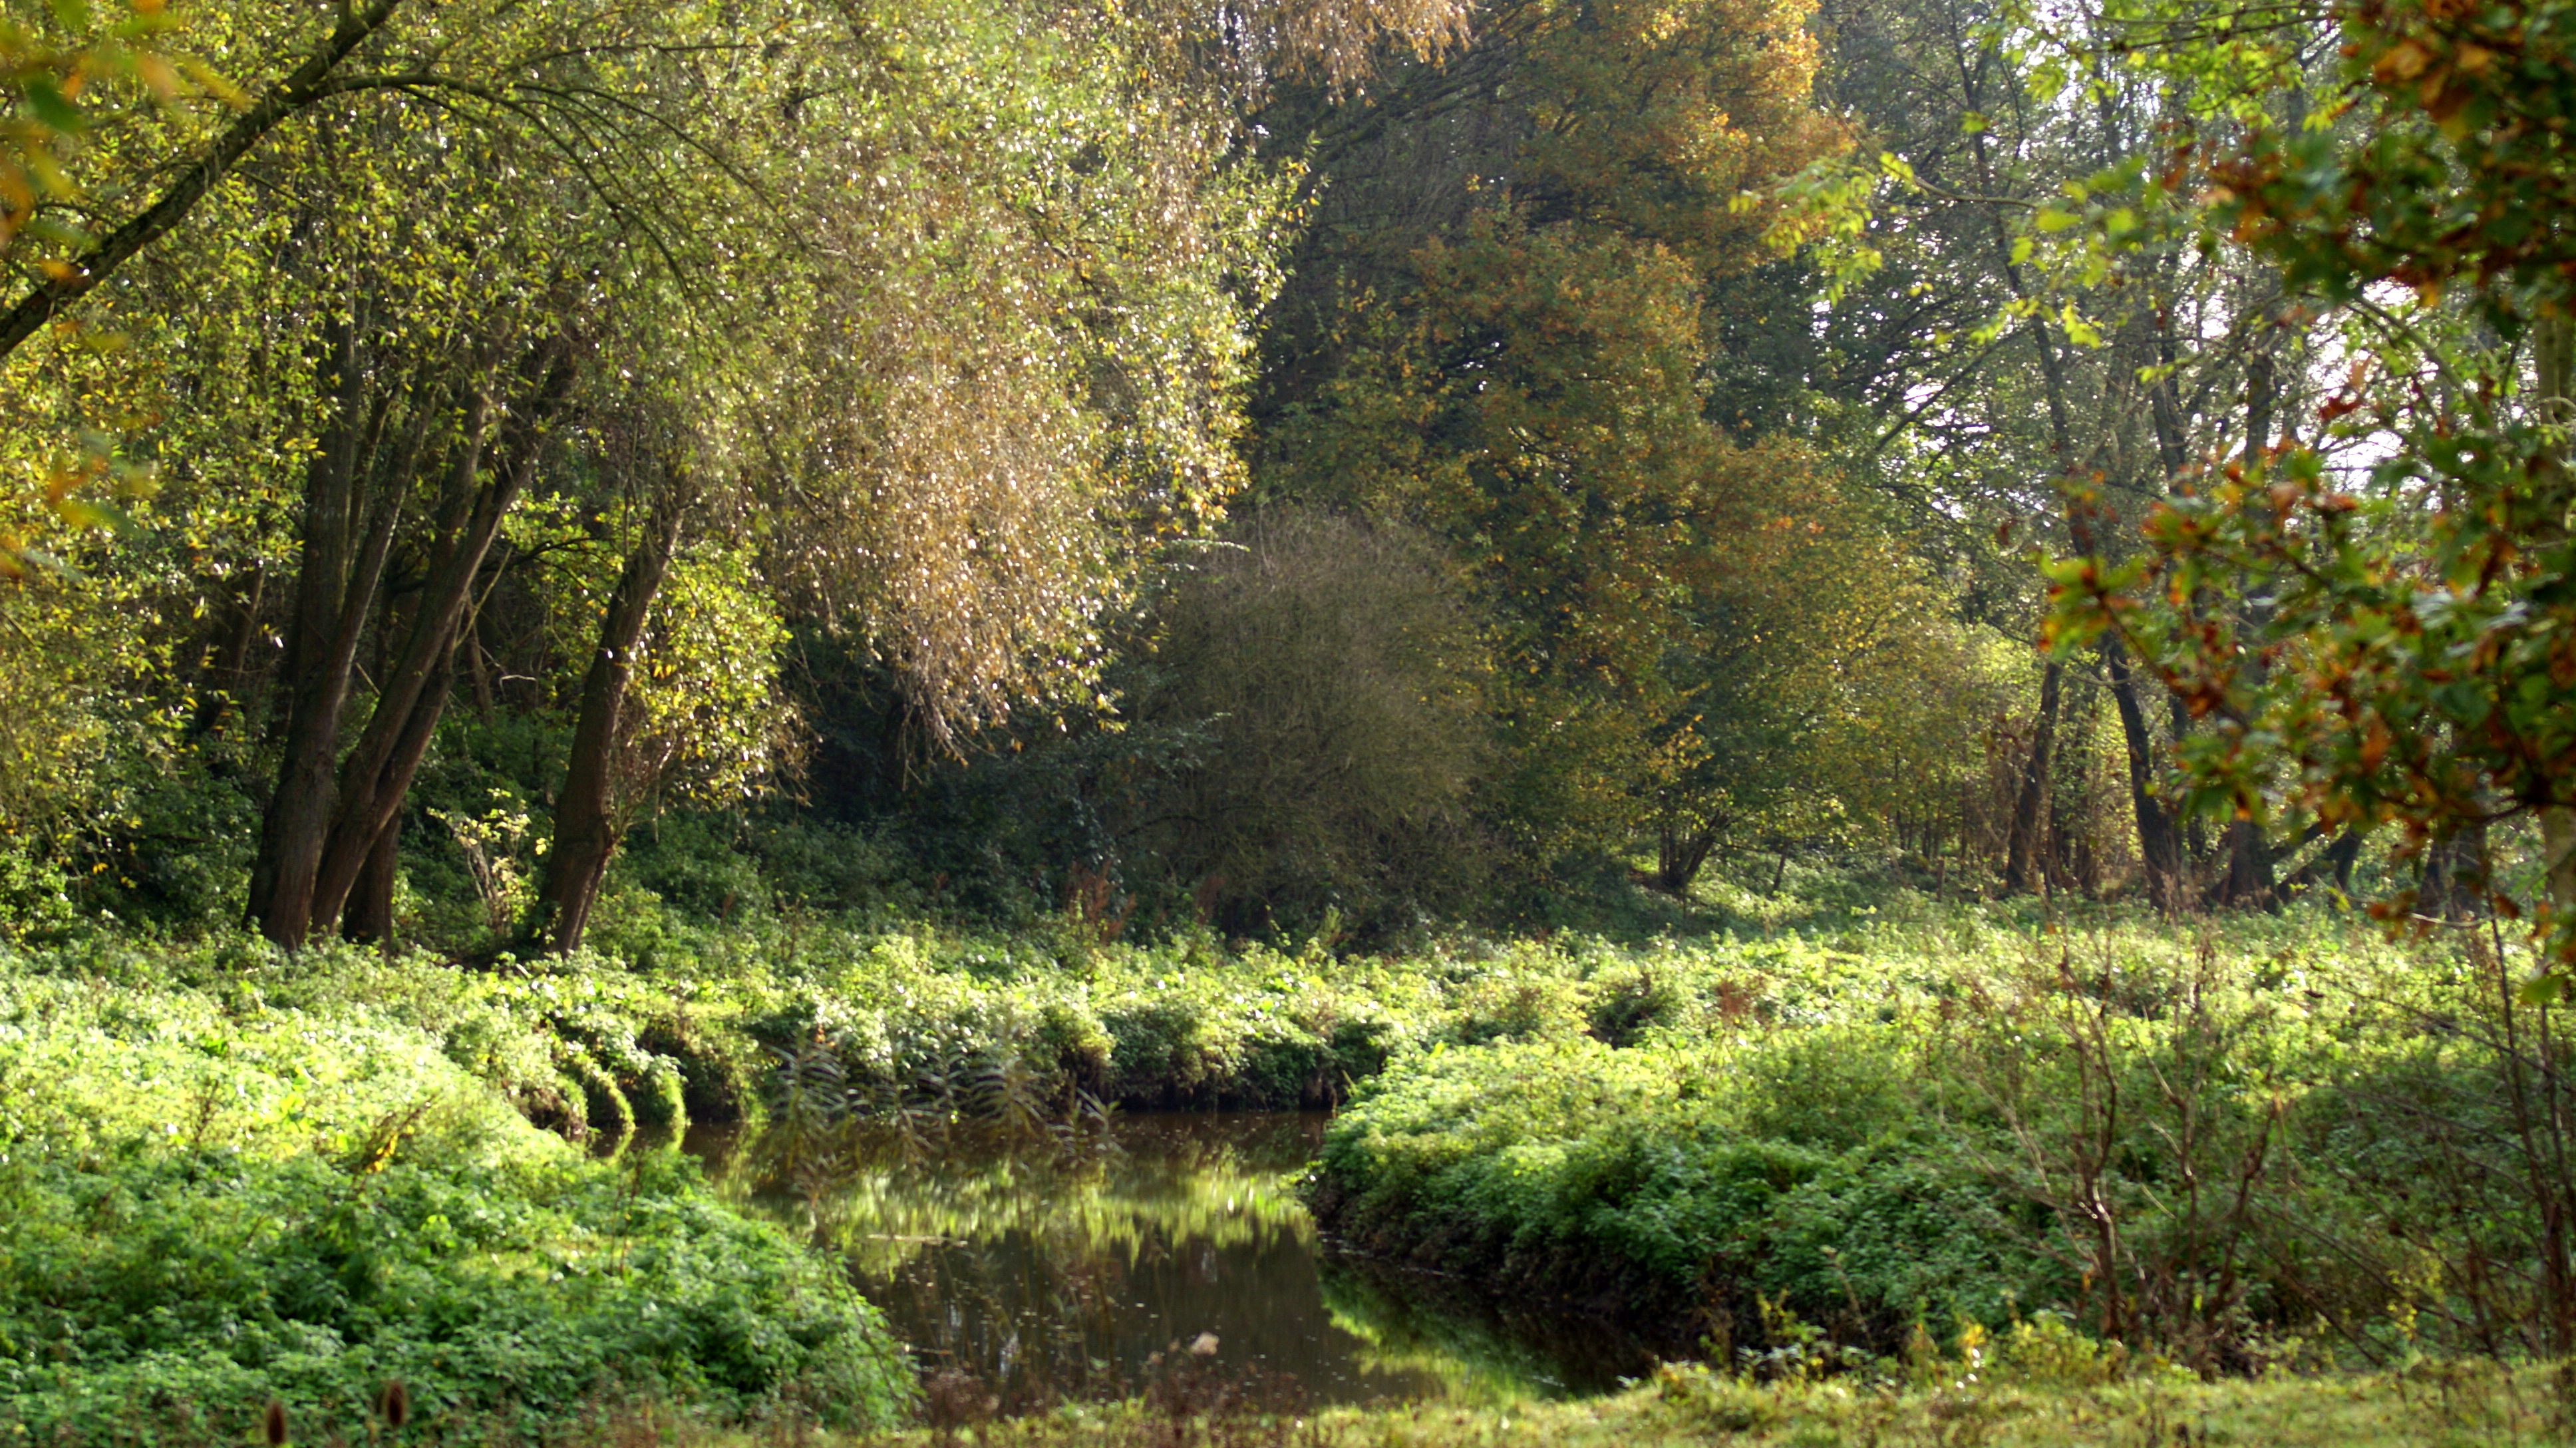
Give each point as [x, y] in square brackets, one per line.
[2394, 644]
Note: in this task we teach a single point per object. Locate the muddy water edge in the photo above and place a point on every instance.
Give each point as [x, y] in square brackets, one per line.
[1048, 1265]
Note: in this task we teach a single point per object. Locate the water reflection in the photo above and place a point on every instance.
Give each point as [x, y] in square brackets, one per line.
[1049, 1267]
[1480, 1349]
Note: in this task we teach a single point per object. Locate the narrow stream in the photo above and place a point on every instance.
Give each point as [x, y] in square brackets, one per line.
[1047, 1271]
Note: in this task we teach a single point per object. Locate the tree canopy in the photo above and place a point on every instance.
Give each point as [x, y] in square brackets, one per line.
[926, 418]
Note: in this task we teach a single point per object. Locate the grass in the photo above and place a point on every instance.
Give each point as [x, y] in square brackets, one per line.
[2426, 1405]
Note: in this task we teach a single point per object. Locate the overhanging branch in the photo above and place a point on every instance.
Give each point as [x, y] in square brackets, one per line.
[300, 89]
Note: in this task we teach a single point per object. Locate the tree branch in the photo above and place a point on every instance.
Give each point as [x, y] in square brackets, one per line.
[300, 89]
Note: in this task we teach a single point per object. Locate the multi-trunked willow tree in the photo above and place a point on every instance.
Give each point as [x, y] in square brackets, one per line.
[924, 324]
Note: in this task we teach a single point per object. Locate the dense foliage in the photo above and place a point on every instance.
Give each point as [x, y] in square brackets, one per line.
[2408, 662]
[218, 1197]
[569, 568]
[455, 440]
[2253, 1150]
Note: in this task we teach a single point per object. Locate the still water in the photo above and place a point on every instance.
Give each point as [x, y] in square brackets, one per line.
[1049, 1268]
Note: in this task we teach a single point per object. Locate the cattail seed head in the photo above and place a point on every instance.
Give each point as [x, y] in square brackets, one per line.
[273, 1424]
[394, 1404]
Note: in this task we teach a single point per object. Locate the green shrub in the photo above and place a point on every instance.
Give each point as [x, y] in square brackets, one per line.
[35, 894]
[226, 1175]
[2197, 1147]
[814, 865]
[695, 863]
[1832, 1088]
[145, 1285]
[1339, 677]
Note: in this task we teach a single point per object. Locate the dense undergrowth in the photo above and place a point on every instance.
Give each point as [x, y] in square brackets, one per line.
[919, 1021]
[212, 1198]
[2278, 1142]
[232, 1174]
[1810, 1150]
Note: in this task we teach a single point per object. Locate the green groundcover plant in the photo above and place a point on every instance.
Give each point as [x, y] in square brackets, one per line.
[181, 1291]
[231, 1174]
[2290, 1142]
[209, 1202]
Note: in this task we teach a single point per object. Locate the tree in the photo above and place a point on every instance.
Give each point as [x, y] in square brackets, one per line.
[1335, 684]
[311, 77]
[931, 323]
[998, 364]
[2388, 644]
[1822, 683]
[1496, 335]
[1987, 352]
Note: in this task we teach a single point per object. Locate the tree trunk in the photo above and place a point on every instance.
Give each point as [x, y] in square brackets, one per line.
[2025, 857]
[2454, 880]
[2249, 881]
[2022, 858]
[413, 695]
[316, 674]
[2159, 847]
[2077, 864]
[486, 702]
[2553, 346]
[2334, 863]
[337, 580]
[2259, 390]
[370, 912]
[586, 825]
[1680, 853]
[324, 825]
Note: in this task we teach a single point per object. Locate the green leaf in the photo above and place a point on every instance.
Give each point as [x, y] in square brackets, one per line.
[56, 230]
[84, 513]
[42, 561]
[52, 109]
[216, 84]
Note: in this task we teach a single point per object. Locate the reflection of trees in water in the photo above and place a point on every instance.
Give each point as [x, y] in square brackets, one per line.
[1094, 1201]
[1047, 1267]
[1067, 1275]
[1479, 1349]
